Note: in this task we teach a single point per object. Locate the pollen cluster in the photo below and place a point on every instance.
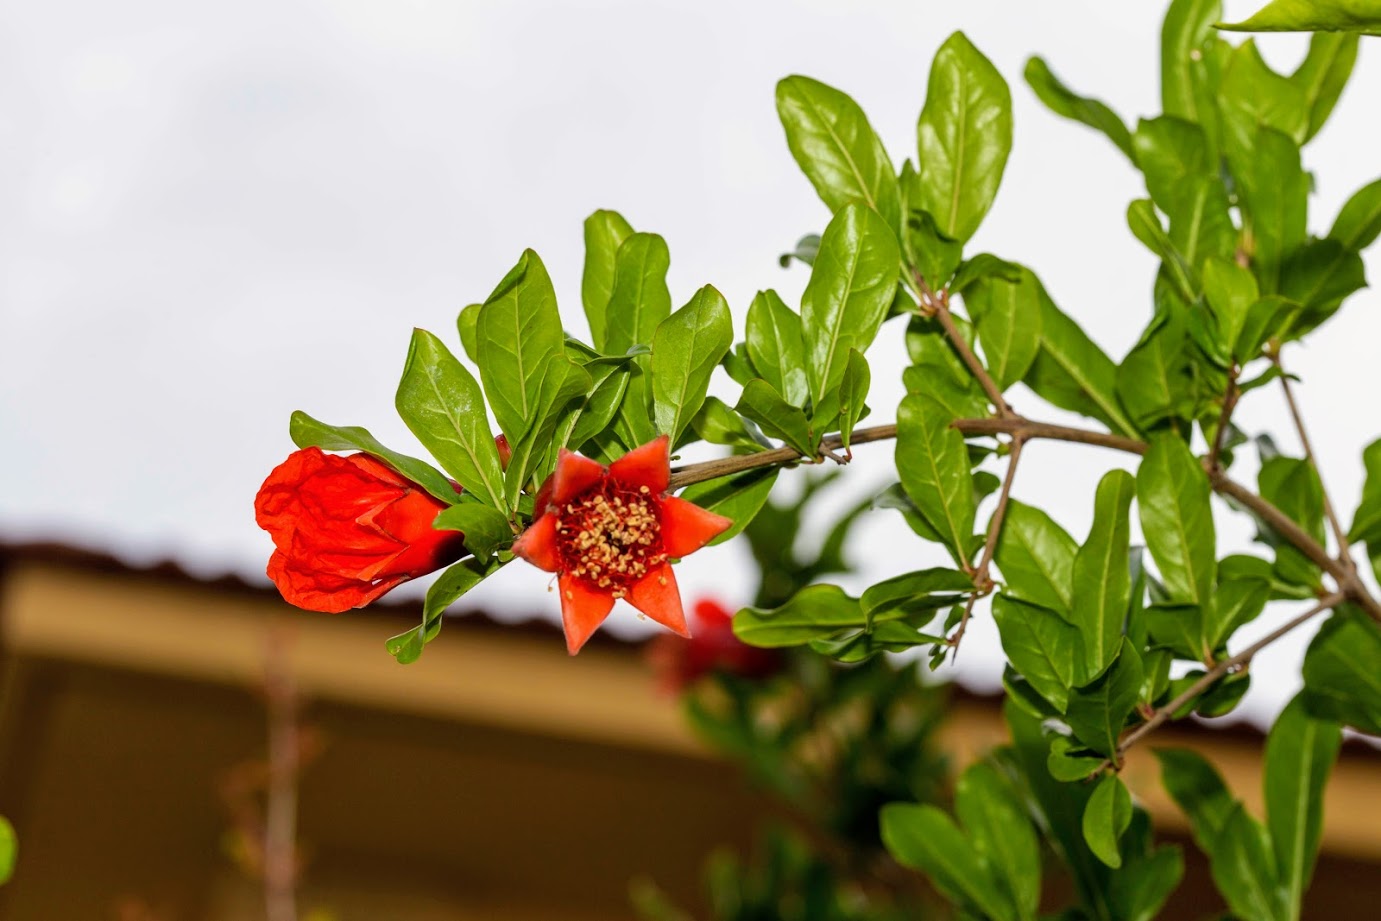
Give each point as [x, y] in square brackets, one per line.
[611, 536]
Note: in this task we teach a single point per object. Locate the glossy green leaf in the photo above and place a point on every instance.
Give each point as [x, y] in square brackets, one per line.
[1098, 712]
[639, 299]
[517, 333]
[1312, 15]
[737, 497]
[605, 232]
[775, 416]
[997, 823]
[608, 384]
[816, 612]
[934, 466]
[1008, 319]
[1366, 523]
[1073, 373]
[1236, 602]
[486, 528]
[1146, 226]
[1266, 319]
[1300, 751]
[686, 349]
[1252, 96]
[1359, 221]
[1102, 576]
[853, 394]
[1244, 869]
[1069, 761]
[1323, 74]
[445, 591]
[718, 424]
[1036, 558]
[562, 387]
[850, 288]
[466, 324]
[1293, 486]
[925, 838]
[633, 423]
[1041, 645]
[806, 249]
[1320, 275]
[914, 590]
[1156, 380]
[1061, 100]
[1184, 182]
[936, 257]
[1230, 290]
[1188, 82]
[836, 148]
[1140, 891]
[307, 432]
[1106, 816]
[1342, 672]
[1199, 791]
[984, 266]
[1173, 503]
[776, 347]
[1274, 196]
[964, 134]
[442, 404]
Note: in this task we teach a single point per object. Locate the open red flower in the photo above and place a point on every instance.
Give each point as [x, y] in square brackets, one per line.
[611, 533]
[347, 529]
[680, 663]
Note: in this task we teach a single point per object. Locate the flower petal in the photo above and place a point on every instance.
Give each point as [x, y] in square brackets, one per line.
[583, 609]
[686, 527]
[537, 544]
[649, 465]
[322, 591]
[574, 474]
[657, 596]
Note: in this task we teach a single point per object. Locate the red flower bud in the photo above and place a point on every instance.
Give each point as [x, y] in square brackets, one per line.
[713, 647]
[347, 529]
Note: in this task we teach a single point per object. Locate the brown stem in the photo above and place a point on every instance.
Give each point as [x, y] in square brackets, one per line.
[280, 820]
[1220, 670]
[1344, 549]
[961, 345]
[1220, 435]
[982, 584]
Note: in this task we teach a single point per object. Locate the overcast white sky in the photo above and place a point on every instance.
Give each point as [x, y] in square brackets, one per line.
[213, 214]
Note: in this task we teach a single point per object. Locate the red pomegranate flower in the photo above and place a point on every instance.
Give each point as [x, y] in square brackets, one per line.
[347, 529]
[679, 663]
[611, 533]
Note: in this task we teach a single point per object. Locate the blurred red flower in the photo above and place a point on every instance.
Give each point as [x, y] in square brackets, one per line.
[347, 529]
[678, 663]
[611, 532]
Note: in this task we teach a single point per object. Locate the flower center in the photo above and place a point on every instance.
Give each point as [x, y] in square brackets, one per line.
[611, 536]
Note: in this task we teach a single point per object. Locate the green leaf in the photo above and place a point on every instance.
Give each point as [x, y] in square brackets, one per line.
[964, 134]
[1156, 380]
[1366, 523]
[1243, 869]
[934, 466]
[999, 826]
[1188, 81]
[718, 424]
[608, 384]
[1199, 791]
[1342, 672]
[1311, 16]
[1324, 73]
[1253, 96]
[1359, 222]
[912, 590]
[445, 591]
[816, 611]
[1230, 290]
[935, 256]
[1265, 320]
[466, 323]
[1140, 890]
[486, 529]
[1098, 712]
[925, 838]
[1041, 645]
[685, 351]
[806, 249]
[775, 416]
[442, 404]
[1184, 182]
[1070, 761]
[1061, 100]
[775, 346]
[1275, 201]
[605, 232]
[1036, 558]
[1102, 574]
[1237, 601]
[836, 148]
[1300, 751]
[984, 265]
[639, 300]
[563, 382]
[1319, 275]
[1293, 486]
[307, 432]
[1106, 816]
[518, 332]
[853, 393]
[1008, 319]
[1073, 373]
[1173, 502]
[737, 497]
[851, 286]
[9, 850]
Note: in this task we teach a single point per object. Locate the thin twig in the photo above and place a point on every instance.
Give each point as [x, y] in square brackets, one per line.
[961, 345]
[982, 583]
[1344, 549]
[1230, 398]
[1218, 671]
